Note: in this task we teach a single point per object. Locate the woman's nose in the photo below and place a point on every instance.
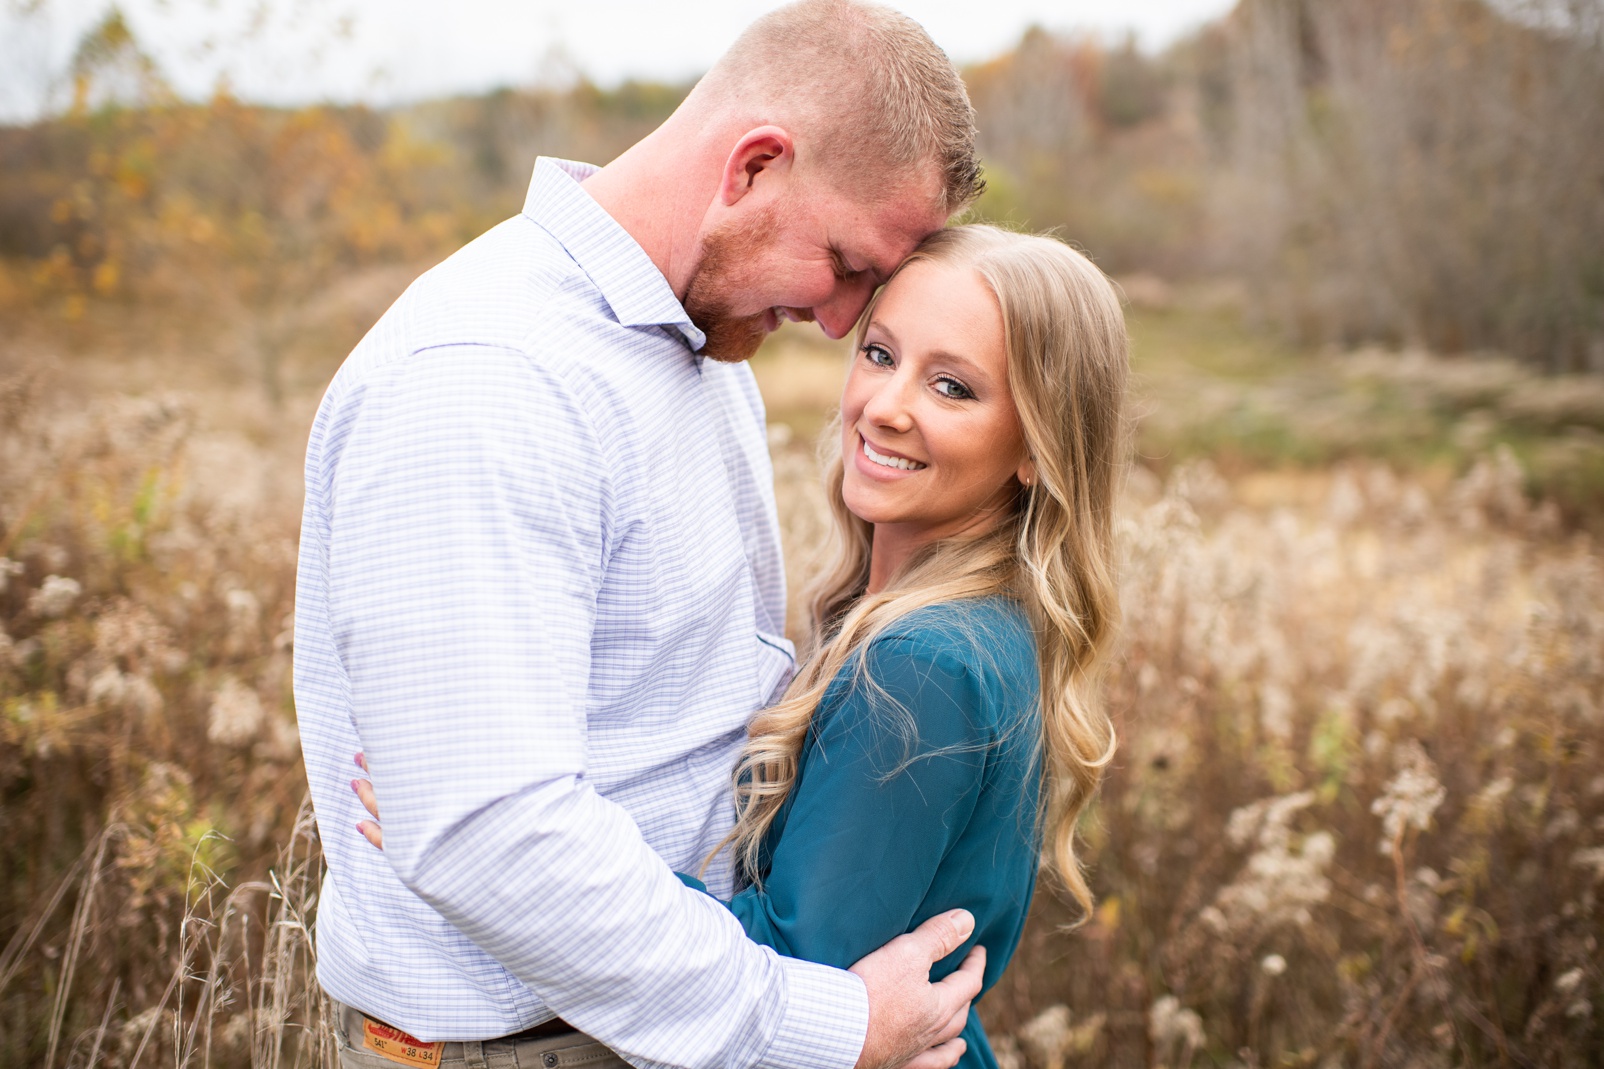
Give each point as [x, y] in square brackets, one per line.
[888, 405]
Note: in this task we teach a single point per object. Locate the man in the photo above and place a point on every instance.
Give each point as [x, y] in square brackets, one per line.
[540, 582]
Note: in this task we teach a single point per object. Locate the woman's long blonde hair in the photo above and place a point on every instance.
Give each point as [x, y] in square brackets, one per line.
[1054, 552]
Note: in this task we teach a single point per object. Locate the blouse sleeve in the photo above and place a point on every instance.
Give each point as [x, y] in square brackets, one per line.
[893, 778]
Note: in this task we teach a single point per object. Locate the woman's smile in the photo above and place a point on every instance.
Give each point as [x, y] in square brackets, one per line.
[886, 459]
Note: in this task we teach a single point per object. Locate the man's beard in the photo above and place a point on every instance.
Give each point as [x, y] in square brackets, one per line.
[724, 271]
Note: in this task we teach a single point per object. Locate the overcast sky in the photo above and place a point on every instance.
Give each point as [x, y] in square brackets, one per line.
[388, 50]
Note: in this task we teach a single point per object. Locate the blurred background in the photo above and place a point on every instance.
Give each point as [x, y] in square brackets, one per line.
[1358, 814]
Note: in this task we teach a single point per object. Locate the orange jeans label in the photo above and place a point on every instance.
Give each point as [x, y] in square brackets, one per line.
[396, 1045]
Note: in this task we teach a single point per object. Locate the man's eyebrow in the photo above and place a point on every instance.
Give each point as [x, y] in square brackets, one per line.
[880, 274]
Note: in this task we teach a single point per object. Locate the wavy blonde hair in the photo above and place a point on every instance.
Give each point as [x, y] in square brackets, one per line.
[1053, 552]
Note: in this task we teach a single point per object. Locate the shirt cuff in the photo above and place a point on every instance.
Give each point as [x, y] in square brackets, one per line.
[826, 1019]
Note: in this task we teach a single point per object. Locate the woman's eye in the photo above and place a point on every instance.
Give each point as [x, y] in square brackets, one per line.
[877, 355]
[954, 389]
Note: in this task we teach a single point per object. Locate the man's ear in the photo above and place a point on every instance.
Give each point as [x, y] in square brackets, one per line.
[761, 153]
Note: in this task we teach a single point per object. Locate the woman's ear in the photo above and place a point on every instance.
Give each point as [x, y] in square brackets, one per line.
[1026, 473]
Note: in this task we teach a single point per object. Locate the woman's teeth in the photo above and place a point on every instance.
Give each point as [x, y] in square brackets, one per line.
[889, 462]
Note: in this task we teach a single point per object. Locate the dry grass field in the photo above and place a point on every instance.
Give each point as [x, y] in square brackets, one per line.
[1357, 817]
[1358, 813]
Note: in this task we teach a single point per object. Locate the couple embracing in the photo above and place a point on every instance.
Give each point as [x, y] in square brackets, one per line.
[541, 592]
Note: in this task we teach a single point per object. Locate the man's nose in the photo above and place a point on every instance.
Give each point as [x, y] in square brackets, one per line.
[837, 316]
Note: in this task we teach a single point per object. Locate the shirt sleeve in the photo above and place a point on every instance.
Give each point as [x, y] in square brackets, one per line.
[891, 780]
[467, 528]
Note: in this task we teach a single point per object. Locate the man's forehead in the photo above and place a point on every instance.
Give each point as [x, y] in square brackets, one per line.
[887, 232]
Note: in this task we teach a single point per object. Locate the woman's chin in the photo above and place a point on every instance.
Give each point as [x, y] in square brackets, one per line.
[866, 504]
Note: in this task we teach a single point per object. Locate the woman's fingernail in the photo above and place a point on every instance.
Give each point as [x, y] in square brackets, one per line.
[354, 786]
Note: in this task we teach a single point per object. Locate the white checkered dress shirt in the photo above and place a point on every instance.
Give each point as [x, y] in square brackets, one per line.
[540, 586]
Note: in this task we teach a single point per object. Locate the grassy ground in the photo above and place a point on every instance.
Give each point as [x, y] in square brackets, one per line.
[1211, 387]
[1357, 818]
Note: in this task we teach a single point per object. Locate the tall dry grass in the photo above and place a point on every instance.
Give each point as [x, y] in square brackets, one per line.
[159, 862]
[1358, 818]
[1359, 815]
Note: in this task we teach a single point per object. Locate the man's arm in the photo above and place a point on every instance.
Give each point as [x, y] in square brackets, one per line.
[467, 520]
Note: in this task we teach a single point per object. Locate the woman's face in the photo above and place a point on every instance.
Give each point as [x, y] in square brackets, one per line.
[930, 439]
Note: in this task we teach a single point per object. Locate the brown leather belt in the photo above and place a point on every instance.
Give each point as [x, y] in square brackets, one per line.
[546, 1030]
[554, 1027]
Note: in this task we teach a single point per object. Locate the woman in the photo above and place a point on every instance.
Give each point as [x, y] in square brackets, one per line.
[945, 729]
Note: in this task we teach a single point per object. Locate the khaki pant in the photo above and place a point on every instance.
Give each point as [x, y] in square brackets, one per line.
[356, 1044]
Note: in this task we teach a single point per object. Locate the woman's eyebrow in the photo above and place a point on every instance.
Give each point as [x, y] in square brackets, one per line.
[969, 366]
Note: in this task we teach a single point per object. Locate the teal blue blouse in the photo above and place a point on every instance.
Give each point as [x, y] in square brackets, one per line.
[916, 793]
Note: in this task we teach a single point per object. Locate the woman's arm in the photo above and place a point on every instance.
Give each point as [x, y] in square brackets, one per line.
[890, 782]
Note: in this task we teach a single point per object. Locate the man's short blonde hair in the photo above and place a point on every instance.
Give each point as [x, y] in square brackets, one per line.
[871, 94]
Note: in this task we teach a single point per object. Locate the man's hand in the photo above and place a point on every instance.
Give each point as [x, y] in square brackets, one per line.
[913, 1023]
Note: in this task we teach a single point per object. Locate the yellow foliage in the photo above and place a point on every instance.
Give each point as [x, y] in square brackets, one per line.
[105, 277]
[1167, 185]
[1107, 914]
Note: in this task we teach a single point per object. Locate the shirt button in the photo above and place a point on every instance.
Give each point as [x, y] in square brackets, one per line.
[549, 1059]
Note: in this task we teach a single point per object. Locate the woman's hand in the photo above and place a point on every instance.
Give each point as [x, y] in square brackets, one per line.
[364, 790]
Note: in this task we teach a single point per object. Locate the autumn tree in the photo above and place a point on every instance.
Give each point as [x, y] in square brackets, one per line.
[1423, 171]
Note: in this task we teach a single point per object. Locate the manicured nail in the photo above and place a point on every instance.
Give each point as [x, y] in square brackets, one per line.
[357, 760]
[354, 786]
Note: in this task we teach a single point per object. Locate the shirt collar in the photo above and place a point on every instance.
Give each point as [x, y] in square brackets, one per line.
[631, 284]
